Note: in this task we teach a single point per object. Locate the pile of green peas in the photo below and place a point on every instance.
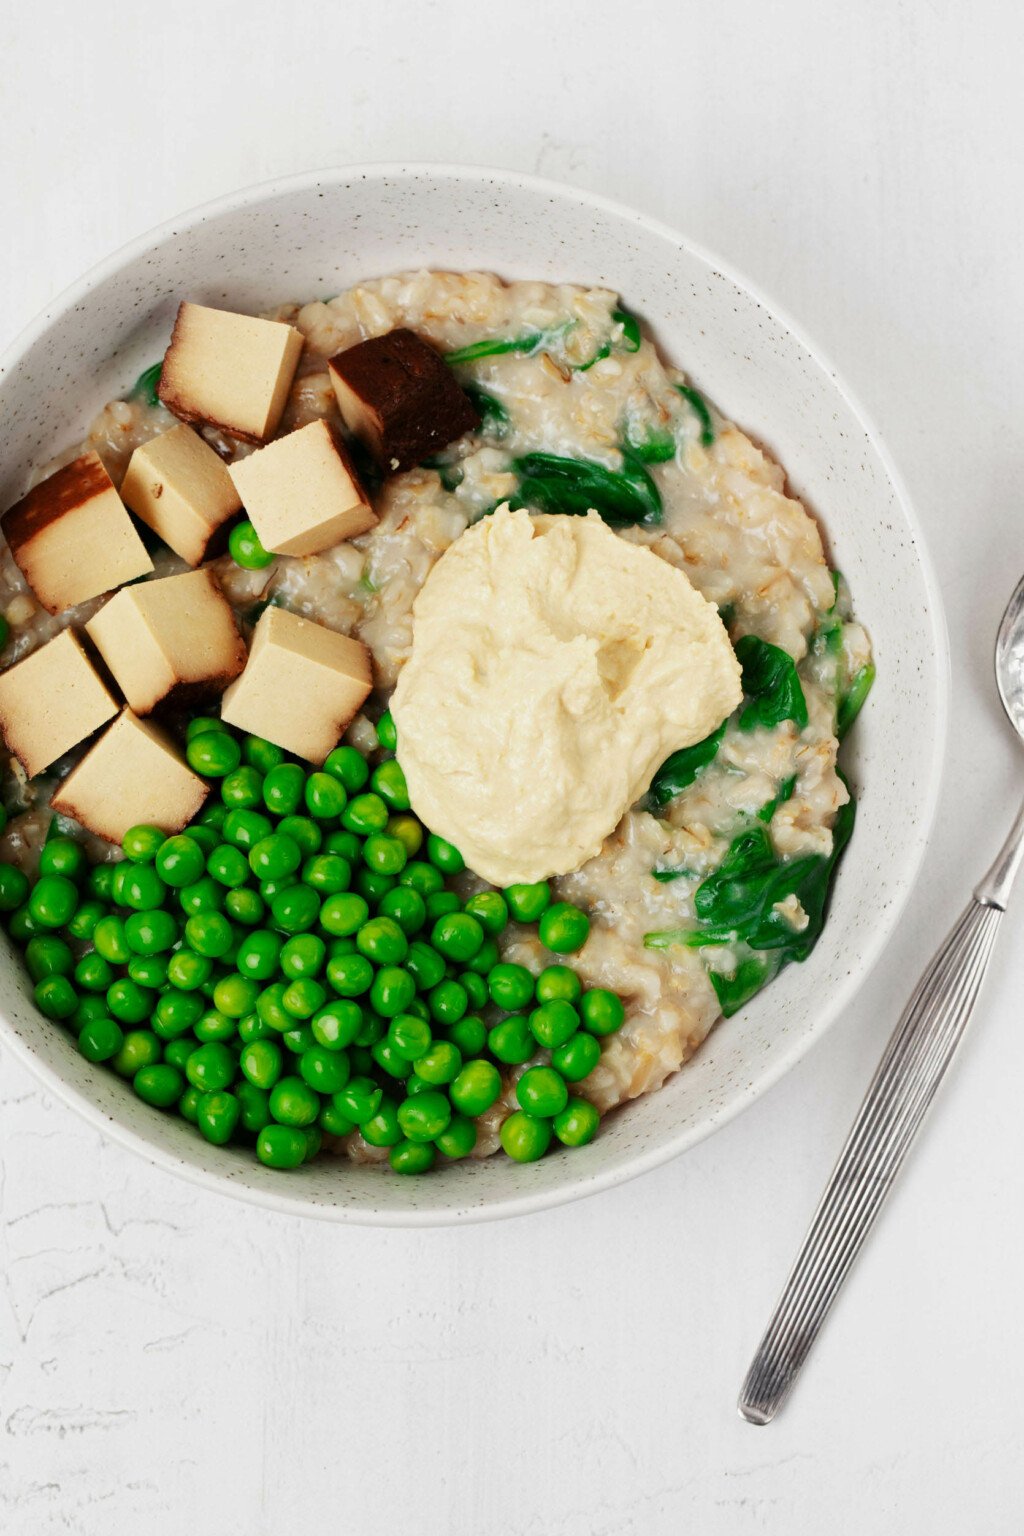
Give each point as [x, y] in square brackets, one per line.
[297, 963]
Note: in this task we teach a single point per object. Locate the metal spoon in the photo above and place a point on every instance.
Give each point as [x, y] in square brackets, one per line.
[915, 1062]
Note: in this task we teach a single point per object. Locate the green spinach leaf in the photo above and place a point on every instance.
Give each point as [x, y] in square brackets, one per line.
[785, 793]
[496, 346]
[852, 701]
[573, 486]
[771, 685]
[494, 418]
[695, 399]
[748, 978]
[679, 770]
[145, 385]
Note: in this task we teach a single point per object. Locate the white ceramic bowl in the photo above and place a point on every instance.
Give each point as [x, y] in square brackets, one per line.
[317, 234]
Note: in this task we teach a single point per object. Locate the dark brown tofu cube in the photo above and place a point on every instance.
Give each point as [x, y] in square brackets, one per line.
[399, 397]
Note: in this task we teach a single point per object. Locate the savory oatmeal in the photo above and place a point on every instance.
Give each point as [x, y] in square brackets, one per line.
[712, 878]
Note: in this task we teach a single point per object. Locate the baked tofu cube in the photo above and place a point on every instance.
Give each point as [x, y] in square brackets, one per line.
[181, 489]
[169, 641]
[51, 701]
[301, 686]
[231, 371]
[397, 394]
[302, 493]
[133, 774]
[72, 538]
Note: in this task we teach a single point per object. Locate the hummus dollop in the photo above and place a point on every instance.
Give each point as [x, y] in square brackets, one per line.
[554, 667]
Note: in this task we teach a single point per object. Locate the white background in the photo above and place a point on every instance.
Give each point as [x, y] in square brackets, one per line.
[171, 1362]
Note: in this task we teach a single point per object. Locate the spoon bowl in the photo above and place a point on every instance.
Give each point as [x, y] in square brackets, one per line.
[1010, 659]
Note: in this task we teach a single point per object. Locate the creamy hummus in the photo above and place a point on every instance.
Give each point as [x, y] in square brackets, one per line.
[554, 667]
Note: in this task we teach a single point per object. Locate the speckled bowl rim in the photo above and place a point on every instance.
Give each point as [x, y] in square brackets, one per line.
[644, 1160]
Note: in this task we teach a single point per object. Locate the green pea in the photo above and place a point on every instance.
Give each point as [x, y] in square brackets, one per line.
[160, 1085]
[139, 1048]
[343, 914]
[295, 909]
[178, 1051]
[211, 1066]
[542, 1092]
[89, 1008]
[253, 1107]
[476, 1088]
[271, 888]
[150, 933]
[14, 887]
[262, 1061]
[405, 907]
[392, 990]
[524, 1138]
[459, 1139]
[327, 873]
[293, 1102]
[93, 973]
[271, 1009]
[603, 1012]
[88, 914]
[444, 856]
[110, 940]
[439, 903]
[244, 828]
[469, 1034]
[180, 861]
[229, 866]
[282, 789]
[448, 1001]
[235, 995]
[383, 1129]
[242, 789]
[217, 1117]
[325, 796]
[425, 965]
[209, 934]
[141, 844]
[121, 872]
[577, 1123]
[564, 928]
[304, 831]
[303, 955]
[412, 1157]
[349, 767]
[458, 936]
[422, 877]
[512, 1041]
[527, 902]
[100, 1039]
[373, 886]
[214, 754]
[409, 833]
[387, 735]
[510, 986]
[553, 1023]
[214, 1025]
[46, 955]
[52, 901]
[55, 997]
[188, 971]
[382, 940]
[275, 856]
[245, 906]
[101, 881]
[359, 1100]
[304, 998]
[128, 1002]
[490, 910]
[441, 1063]
[281, 1146]
[409, 1036]
[149, 971]
[262, 754]
[576, 1057]
[22, 925]
[188, 1105]
[325, 1071]
[202, 723]
[337, 1025]
[373, 1028]
[388, 782]
[476, 989]
[175, 1013]
[365, 814]
[251, 1027]
[384, 855]
[558, 983]
[205, 895]
[245, 548]
[425, 1116]
[258, 954]
[62, 856]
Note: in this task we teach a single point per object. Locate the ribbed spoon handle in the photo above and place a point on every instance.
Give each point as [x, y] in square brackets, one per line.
[915, 1061]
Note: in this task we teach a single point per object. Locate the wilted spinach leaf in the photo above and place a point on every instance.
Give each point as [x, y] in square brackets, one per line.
[852, 701]
[771, 685]
[679, 770]
[145, 385]
[747, 979]
[696, 400]
[573, 486]
[494, 419]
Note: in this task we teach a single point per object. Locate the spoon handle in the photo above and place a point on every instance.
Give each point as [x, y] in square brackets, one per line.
[908, 1076]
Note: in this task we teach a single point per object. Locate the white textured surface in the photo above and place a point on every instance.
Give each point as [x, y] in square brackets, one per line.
[172, 1362]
